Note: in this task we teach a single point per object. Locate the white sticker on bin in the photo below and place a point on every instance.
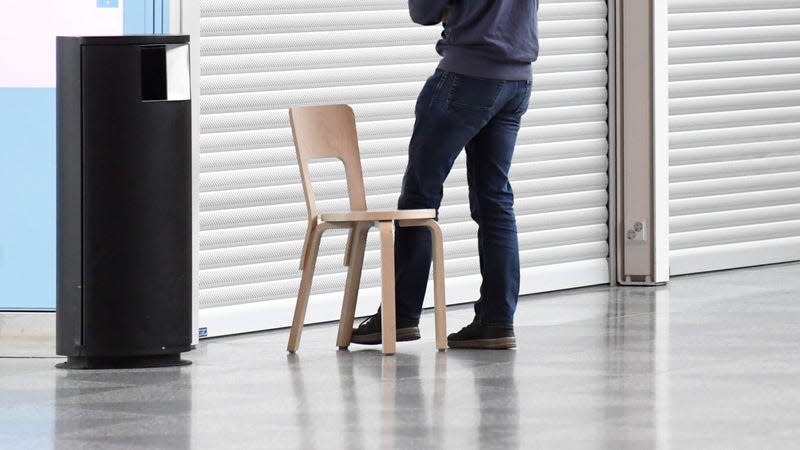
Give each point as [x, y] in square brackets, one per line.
[178, 72]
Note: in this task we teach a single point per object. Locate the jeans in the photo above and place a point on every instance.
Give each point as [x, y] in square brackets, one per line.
[482, 116]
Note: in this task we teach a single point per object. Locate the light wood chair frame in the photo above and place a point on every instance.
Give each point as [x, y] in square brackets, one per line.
[329, 131]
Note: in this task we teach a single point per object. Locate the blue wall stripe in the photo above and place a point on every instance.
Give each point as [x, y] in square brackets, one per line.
[158, 17]
[140, 16]
[149, 16]
[28, 198]
[165, 16]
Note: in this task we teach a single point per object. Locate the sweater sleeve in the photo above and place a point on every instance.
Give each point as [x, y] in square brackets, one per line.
[427, 12]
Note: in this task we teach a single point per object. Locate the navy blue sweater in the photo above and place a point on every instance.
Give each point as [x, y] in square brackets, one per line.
[484, 38]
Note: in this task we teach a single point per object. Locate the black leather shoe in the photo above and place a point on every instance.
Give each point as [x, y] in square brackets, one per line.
[369, 331]
[480, 336]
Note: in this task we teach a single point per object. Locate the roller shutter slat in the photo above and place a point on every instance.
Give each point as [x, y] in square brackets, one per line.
[230, 239]
[458, 245]
[263, 215]
[235, 8]
[731, 19]
[266, 273]
[220, 142]
[252, 120]
[576, 108]
[374, 173]
[734, 184]
[283, 289]
[356, 85]
[713, 220]
[388, 185]
[735, 152]
[759, 71]
[370, 56]
[286, 42]
[771, 33]
[754, 166]
[767, 83]
[735, 235]
[725, 6]
[377, 149]
[736, 102]
[734, 119]
[738, 135]
[732, 202]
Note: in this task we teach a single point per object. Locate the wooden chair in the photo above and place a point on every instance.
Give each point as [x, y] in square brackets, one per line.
[330, 131]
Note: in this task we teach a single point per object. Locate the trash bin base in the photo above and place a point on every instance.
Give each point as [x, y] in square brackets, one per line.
[126, 362]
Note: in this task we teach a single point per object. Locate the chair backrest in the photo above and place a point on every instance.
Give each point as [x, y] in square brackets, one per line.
[328, 131]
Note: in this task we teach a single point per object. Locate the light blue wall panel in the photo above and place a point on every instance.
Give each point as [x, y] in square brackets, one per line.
[165, 16]
[27, 198]
[139, 16]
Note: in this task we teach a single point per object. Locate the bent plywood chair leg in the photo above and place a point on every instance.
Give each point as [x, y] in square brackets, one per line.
[388, 325]
[439, 300]
[358, 240]
[350, 235]
[312, 225]
[438, 285]
[305, 289]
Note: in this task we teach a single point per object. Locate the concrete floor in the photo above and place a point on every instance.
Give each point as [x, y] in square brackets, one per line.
[710, 361]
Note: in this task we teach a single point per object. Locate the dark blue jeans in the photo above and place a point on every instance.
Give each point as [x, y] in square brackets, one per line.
[482, 116]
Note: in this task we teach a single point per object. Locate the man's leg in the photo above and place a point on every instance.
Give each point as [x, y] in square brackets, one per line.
[440, 133]
[439, 136]
[489, 156]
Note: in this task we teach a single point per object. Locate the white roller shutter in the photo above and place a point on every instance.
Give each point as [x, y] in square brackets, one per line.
[260, 57]
[734, 133]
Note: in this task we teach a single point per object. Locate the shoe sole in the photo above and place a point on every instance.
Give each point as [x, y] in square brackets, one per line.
[488, 344]
[403, 334]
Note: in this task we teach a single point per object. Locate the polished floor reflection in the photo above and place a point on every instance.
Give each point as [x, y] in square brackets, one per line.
[710, 361]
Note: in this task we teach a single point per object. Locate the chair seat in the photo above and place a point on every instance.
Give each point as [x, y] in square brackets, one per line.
[373, 216]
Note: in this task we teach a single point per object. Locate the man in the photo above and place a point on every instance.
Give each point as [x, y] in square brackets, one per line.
[474, 101]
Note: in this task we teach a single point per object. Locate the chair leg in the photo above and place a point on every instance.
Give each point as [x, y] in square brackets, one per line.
[388, 325]
[350, 236]
[439, 305]
[438, 285]
[305, 289]
[358, 240]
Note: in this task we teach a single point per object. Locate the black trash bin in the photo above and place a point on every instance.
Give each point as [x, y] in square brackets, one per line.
[124, 201]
